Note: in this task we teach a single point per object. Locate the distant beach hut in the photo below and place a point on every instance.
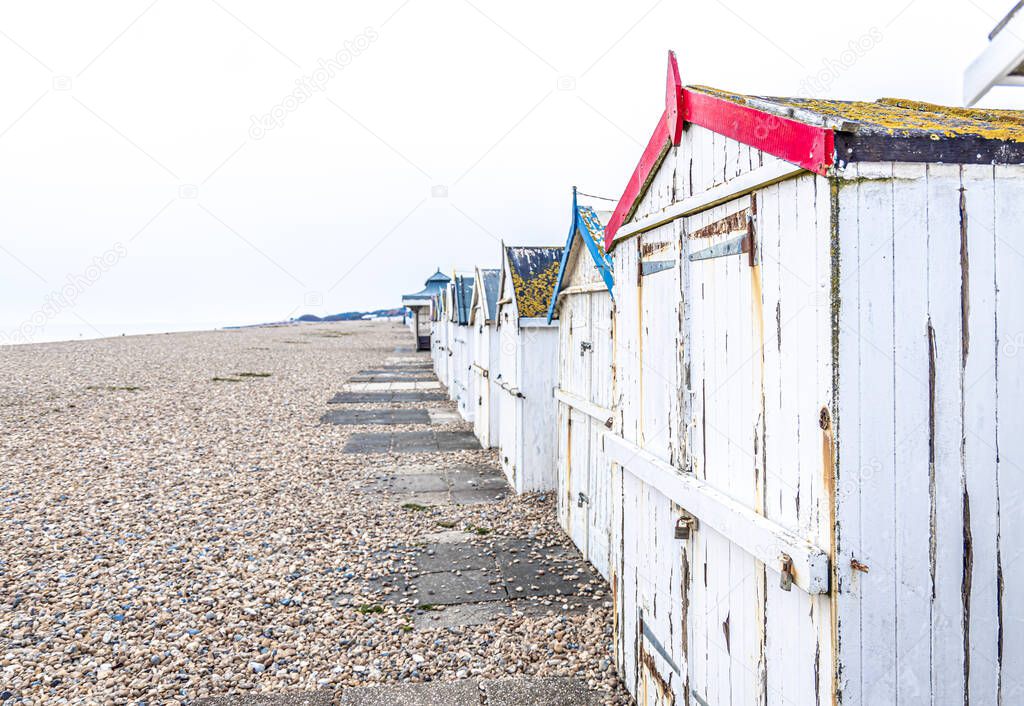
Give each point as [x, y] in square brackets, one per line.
[527, 366]
[461, 386]
[486, 348]
[581, 305]
[439, 326]
[417, 307]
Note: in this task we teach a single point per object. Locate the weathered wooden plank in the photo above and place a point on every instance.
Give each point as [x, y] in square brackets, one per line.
[945, 333]
[703, 199]
[1009, 190]
[912, 584]
[600, 414]
[981, 490]
[872, 323]
[824, 494]
[845, 425]
[756, 534]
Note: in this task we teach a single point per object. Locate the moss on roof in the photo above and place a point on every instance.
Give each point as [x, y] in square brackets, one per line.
[534, 275]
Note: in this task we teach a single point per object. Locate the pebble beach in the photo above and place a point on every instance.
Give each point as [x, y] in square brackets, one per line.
[177, 523]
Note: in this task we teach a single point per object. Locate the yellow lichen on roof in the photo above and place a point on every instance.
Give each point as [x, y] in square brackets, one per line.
[902, 117]
[534, 295]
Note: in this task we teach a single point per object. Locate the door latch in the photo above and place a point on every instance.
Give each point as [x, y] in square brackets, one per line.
[584, 347]
[685, 525]
[582, 499]
[786, 575]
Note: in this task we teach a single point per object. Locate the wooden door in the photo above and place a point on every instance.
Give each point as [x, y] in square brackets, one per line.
[599, 394]
[508, 385]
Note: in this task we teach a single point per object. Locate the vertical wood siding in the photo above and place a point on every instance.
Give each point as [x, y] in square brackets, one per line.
[928, 504]
[584, 371]
[722, 368]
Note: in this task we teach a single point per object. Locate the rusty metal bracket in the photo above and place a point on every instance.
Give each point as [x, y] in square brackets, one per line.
[733, 246]
[654, 266]
[654, 642]
[786, 574]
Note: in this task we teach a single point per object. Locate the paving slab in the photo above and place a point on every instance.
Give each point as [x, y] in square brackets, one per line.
[541, 691]
[449, 536]
[443, 416]
[320, 697]
[419, 483]
[460, 693]
[412, 469]
[458, 616]
[524, 580]
[477, 497]
[485, 478]
[431, 498]
[389, 369]
[368, 443]
[448, 557]
[385, 397]
[456, 441]
[376, 416]
[414, 442]
[391, 386]
[450, 588]
[410, 442]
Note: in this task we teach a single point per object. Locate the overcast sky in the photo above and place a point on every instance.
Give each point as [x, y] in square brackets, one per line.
[177, 164]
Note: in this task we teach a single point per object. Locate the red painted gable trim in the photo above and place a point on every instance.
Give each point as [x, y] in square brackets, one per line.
[808, 146]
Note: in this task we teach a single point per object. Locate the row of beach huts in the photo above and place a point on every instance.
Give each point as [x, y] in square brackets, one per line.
[778, 392]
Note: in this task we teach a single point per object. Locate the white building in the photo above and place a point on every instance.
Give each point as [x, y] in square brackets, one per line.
[527, 363]
[417, 305]
[818, 404]
[486, 347]
[582, 304]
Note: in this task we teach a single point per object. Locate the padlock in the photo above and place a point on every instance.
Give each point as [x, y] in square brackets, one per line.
[686, 524]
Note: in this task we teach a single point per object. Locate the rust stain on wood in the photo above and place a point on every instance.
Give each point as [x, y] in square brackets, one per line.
[648, 249]
[829, 478]
[734, 223]
[650, 669]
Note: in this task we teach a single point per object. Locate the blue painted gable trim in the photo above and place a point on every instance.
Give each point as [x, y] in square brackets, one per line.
[604, 266]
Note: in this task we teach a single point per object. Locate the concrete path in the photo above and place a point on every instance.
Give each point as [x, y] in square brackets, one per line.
[461, 578]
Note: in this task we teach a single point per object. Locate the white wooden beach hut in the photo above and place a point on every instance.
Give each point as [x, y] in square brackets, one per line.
[418, 315]
[440, 334]
[582, 304]
[527, 366]
[486, 349]
[818, 403]
[462, 386]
